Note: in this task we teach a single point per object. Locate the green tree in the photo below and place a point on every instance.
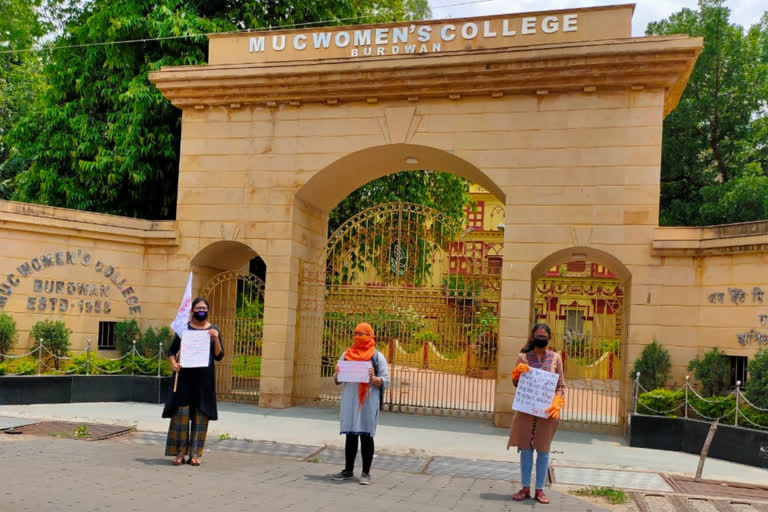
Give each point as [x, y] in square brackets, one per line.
[712, 372]
[653, 366]
[7, 334]
[102, 137]
[54, 336]
[757, 384]
[714, 133]
[442, 191]
[126, 332]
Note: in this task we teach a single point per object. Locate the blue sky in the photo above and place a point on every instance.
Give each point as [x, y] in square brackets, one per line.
[743, 12]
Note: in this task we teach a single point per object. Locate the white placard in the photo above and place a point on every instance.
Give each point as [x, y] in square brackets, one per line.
[354, 371]
[195, 349]
[535, 392]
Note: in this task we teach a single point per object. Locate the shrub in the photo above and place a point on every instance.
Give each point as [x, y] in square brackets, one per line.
[653, 366]
[149, 342]
[712, 373]
[661, 400]
[757, 384]
[3, 368]
[55, 336]
[25, 367]
[125, 333]
[7, 334]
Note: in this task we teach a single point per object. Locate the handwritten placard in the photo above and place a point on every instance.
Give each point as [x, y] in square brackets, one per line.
[354, 371]
[535, 392]
[195, 349]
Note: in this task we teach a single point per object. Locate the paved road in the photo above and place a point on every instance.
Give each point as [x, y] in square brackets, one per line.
[44, 474]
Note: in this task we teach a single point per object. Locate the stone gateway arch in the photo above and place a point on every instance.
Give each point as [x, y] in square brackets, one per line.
[558, 115]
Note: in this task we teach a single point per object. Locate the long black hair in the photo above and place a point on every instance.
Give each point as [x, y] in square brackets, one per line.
[196, 302]
[529, 345]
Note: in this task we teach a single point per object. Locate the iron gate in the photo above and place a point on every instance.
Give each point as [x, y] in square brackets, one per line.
[586, 315]
[237, 307]
[431, 297]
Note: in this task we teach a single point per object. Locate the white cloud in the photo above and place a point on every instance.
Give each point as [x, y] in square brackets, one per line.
[743, 12]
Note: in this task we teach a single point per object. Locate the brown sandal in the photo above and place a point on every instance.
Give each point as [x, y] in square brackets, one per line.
[541, 497]
[194, 462]
[178, 461]
[522, 494]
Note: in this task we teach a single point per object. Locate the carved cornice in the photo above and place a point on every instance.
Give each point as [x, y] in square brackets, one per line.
[637, 63]
[724, 239]
[48, 220]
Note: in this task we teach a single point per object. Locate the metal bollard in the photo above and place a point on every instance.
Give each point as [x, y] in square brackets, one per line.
[88, 358]
[159, 357]
[133, 358]
[738, 390]
[40, 357]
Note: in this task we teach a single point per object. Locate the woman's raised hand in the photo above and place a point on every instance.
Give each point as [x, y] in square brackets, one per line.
[519, 370]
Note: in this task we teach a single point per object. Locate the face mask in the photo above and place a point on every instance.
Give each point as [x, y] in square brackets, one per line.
[200, 315]
[540, 342]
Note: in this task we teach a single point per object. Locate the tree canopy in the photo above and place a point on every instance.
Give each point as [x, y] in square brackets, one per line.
[715, 143]
[100, 136]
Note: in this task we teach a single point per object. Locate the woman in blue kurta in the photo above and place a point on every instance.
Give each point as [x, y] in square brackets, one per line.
[360, 402]
[193, 403]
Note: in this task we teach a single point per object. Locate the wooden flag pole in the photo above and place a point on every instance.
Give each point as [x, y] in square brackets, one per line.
[176, 378]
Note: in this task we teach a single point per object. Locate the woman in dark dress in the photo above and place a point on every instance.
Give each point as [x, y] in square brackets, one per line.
[193, 403]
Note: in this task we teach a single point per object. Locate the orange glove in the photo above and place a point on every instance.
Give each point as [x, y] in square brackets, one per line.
[554, 410]
[519, 369]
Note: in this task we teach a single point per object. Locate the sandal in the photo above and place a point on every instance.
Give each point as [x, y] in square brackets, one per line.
[522, 494]
[541, 497]
[178, 461]
[194, 462]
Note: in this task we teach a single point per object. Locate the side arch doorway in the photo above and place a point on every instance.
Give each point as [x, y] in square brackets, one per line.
[431, 296]
[237, 307]
[581, 294]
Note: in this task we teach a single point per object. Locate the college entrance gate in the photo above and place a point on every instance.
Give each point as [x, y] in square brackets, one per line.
[559, 115]
[431, 298]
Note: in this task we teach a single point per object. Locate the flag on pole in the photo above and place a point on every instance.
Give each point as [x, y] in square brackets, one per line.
[179, 325]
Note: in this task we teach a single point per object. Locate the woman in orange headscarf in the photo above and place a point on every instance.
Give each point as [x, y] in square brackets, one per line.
[360, 402]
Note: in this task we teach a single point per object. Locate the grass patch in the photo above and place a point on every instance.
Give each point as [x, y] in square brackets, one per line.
[246, 366]
[611, 495]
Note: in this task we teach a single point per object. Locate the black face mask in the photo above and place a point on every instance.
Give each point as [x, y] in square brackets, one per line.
[200, 315]
[540, 342]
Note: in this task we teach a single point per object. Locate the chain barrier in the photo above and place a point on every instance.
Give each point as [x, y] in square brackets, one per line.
[45, 355]
[736, 412]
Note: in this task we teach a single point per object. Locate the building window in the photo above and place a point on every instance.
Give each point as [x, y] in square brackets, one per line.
[494, 264]
[107, 335]
[574, 321]
[738, 369]
[475, 217]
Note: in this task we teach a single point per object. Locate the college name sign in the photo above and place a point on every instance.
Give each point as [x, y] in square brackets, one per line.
[419, 38]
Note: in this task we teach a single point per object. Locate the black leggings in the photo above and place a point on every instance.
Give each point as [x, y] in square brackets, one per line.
[366, 450]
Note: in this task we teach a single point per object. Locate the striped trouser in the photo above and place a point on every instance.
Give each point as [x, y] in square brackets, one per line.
[183, 440]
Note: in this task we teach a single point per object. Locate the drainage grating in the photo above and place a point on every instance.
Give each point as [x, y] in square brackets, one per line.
[651, 502]
[720, 489]
[611, 478]
[70, 430]
[484, 469]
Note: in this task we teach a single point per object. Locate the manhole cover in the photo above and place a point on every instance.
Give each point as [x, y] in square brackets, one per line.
[719, 489]
[71, 430]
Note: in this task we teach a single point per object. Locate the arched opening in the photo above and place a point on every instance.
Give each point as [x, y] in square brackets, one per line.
[231, 276]
[336, 181]
[429, 284]
[581, 293]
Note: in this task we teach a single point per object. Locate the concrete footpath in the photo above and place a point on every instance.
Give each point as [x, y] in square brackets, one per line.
[399, 434]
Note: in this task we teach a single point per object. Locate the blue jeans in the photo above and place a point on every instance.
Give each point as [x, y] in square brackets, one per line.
[526, 466]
